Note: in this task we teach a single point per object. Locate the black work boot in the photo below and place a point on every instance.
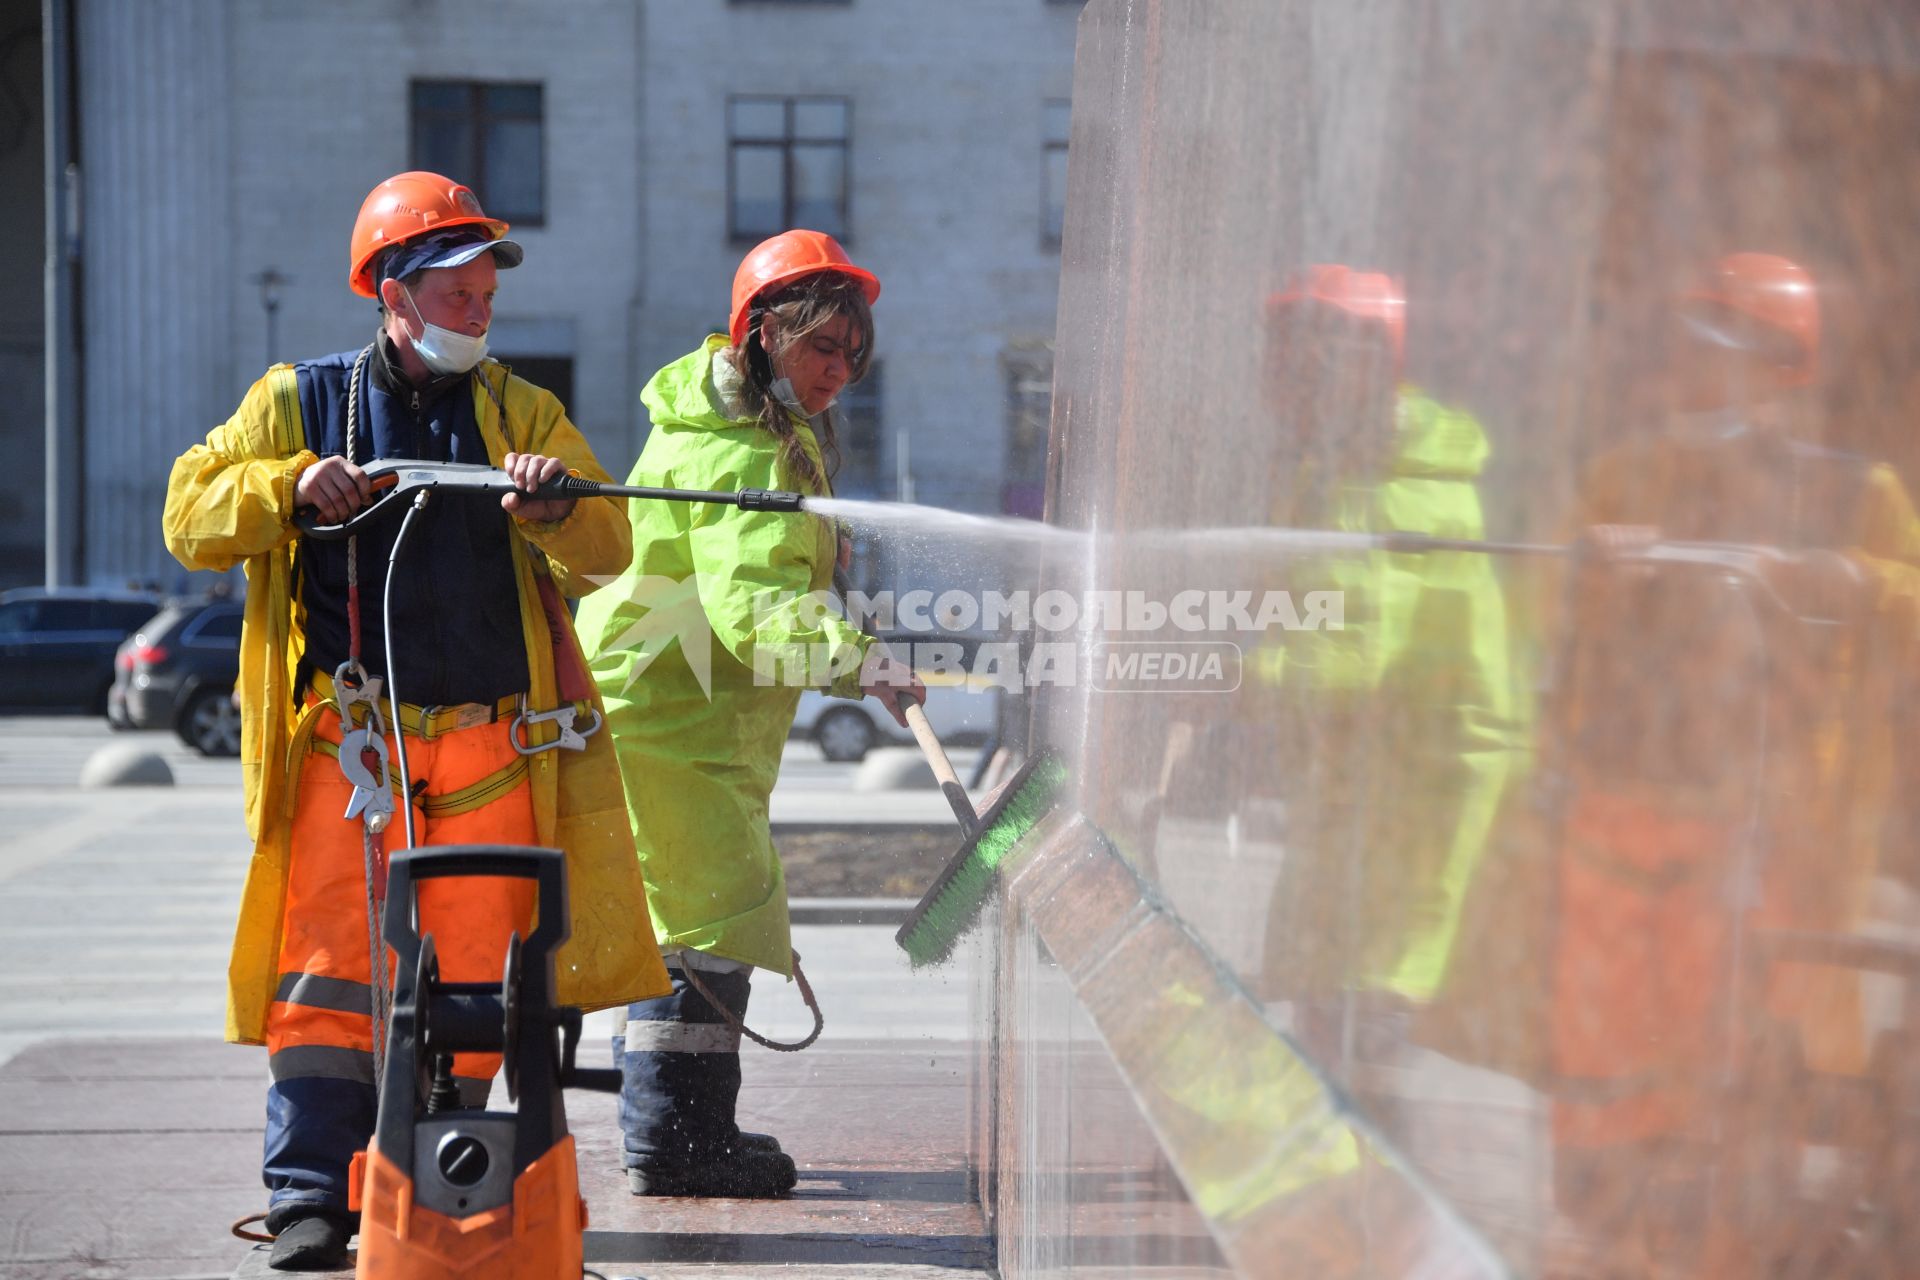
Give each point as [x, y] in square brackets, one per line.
[757, 1142]
[744, 1173]
[314, 1241]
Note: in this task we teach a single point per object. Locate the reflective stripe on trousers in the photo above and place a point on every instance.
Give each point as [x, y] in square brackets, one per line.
[320, 1105]
[680, 1073]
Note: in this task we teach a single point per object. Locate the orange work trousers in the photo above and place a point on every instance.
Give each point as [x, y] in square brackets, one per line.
[320, 1023]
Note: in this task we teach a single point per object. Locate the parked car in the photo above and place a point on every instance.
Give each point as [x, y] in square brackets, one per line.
[177, 672]
[960, 712]
[57, 646]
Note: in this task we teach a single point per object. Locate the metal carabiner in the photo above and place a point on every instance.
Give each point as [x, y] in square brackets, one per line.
[570, 738]
[351, 685]
[372, 798]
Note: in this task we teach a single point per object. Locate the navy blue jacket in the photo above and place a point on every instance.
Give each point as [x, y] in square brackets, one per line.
[456, 607]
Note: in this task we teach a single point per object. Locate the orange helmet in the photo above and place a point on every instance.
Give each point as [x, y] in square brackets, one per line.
[1768, 290]
[1367, 295]
[790, 256]
[406, 207]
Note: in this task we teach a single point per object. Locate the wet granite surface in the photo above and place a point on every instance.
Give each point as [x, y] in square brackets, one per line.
[1556, 914]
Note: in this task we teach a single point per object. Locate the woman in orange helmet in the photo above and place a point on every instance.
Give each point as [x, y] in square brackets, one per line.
[699, 726]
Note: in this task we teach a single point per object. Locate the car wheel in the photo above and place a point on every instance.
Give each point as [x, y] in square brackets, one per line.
[844, 734]
[210, 723]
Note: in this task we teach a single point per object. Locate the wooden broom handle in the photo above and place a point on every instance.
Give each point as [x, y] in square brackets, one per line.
[937, 759]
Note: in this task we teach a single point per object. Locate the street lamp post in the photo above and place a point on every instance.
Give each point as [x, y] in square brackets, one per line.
[270, 282]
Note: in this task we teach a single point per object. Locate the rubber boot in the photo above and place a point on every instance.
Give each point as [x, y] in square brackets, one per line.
[681, 1078]
[310, 1240]
[739, 1174]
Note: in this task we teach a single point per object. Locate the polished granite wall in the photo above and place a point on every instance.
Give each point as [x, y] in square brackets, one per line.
[1557, 913]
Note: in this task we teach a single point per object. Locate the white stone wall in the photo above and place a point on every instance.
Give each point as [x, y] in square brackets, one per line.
[155, 240]
[230, 137]
[321, 97]
[947, 125]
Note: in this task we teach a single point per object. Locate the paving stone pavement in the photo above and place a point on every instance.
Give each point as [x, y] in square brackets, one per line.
[42, 752]
[129, 1135]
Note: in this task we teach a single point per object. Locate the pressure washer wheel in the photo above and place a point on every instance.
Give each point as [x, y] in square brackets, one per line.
[510, 1022]
[427, 969]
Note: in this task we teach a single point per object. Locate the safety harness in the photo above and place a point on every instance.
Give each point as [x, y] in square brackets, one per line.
[363, 749]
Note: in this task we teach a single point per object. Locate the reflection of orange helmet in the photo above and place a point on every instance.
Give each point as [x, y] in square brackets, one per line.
[1367, 295]
[406, 207]
[790, 256]
[1771, 291]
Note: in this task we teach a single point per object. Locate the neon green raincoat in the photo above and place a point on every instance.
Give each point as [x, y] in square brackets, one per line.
[701, 650]
[1412, 724]
[230, 500]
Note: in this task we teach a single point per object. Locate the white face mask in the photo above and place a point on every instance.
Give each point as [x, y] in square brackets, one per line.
[443, 350]
[783, 391]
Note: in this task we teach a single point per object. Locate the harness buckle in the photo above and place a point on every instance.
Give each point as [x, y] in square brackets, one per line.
[570, 738]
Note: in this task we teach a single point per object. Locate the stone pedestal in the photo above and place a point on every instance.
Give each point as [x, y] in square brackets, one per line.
[1551, 914]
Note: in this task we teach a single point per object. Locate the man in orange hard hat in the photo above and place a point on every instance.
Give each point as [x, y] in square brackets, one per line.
[484, 667]
[1722, 736]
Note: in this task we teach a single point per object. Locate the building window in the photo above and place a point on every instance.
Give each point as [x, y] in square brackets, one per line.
[487, 136]
[1023, 488]
[1053, 172]
[857, 422]
[786, 166]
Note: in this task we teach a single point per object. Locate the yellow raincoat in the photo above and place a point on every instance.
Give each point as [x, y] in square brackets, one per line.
[230, 500]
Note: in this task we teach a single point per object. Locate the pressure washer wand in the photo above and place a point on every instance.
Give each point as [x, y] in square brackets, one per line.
[395, 477]
[745, 499]
[1418, 542]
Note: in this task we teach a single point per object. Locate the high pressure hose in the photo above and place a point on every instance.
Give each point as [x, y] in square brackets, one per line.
[393, 692]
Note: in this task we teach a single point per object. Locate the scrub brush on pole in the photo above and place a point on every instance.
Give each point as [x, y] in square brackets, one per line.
[951, 906]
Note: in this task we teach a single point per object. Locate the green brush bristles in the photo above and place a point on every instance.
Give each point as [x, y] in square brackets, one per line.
[953, 904]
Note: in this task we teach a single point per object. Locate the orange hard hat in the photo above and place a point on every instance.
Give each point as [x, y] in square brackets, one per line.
[406, 207]
[1367, 295]
[1766, 289]
[790, 256]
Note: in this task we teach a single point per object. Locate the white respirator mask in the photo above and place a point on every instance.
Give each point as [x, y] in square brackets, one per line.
[443, 350]
[783, 391]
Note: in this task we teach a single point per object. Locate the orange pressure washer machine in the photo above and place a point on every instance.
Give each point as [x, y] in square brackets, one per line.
[479, 1195]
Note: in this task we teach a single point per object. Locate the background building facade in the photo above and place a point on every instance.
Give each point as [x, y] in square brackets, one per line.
[222, 148]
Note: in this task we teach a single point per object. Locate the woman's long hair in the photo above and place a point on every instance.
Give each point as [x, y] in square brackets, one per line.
[798, 311]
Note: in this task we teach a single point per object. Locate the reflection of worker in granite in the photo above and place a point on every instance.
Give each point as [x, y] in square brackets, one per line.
[1400, 726]
[1721, 736]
